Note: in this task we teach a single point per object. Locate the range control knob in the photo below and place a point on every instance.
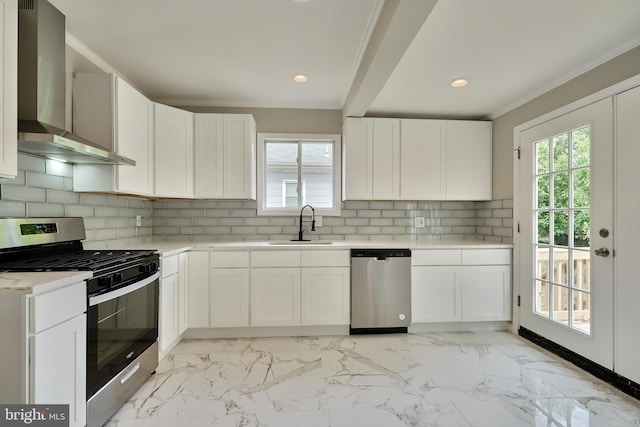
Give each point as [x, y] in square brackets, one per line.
[105, 282]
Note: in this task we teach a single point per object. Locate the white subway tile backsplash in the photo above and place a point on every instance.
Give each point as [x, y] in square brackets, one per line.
[106, 211]
[13, 209]
[64, 197]
[25, 194]
[35, 210]
[41, 180]
[31, 163]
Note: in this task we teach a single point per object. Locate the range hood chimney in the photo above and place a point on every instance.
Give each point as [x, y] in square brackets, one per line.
[42, 91]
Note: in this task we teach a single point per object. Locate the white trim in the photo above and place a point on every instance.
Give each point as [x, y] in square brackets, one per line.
[337, 173]
[612, 90]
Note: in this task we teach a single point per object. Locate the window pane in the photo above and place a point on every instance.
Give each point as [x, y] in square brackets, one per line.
[560, 152]
[580, 145]
[542, 156]
[560, 228]
[317, 172]
[281, 162]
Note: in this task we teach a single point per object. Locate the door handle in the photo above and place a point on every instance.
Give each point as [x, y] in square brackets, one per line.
[603, 252]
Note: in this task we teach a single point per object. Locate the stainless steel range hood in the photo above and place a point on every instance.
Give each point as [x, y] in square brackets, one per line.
[42, 92]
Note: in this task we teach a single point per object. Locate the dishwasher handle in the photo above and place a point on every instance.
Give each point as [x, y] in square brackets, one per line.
[382, 259]
[380, 254]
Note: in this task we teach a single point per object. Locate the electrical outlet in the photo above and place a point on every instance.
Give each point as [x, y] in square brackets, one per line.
[138, 221]
[419, 222]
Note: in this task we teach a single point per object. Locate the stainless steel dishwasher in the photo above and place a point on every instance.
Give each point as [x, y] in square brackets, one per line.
[380, 290]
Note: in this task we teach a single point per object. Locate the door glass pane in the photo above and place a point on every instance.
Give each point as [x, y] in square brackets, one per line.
[542, 298]
[542, 195]
[317, 172]
[542, 156]
[580, 146]
[561, 304]
[560, 152]
[581, 270]
[560, 228]
[582, 311]
[581, 188]
[581, 228]
[543, 227]
[561, 190]
[542, 264]
[561, 266]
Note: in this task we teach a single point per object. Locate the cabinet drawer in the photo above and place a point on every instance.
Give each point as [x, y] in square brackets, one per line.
[168, 265]
[275, 259]
[229, 259]
[55, 307]
[324, 258]
[436, 257]
[486, 256]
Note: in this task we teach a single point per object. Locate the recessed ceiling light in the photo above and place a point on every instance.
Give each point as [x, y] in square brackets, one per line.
[462, 82]
[300, 78]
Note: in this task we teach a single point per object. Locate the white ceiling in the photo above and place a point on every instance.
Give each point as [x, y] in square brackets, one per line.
[244, 53]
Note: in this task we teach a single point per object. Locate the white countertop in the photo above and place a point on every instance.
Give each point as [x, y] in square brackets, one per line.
[39, 282]
[168, 248]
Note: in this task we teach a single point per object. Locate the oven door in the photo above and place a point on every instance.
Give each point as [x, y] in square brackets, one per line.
[120, 326]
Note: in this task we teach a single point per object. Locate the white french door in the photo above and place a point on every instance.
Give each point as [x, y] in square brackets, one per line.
[566, 266]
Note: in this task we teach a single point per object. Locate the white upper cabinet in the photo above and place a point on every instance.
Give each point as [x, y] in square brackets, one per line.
[225, 156]
[8, 88]
[111, 113]
[371, 159]
[422, 159]
[414, 159]
[468, 166]
[173, 152]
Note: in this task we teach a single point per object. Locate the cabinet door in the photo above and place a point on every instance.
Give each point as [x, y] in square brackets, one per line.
[486, 292]
[468, 167]
[325, 296]
[357, 159]
[422, 156]
[183, 292]
[435, 294]
[275, 296]
[198, 289]
[173, 152]
[168, 311]
[386, 159]
[229, 297]
[135, 123]
[209, 152]
[58, 367]
[8, 88]
[239, 156]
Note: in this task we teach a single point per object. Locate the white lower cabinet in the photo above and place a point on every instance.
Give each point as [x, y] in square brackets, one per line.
[325, 296]
[435, 294]
[198, 289]
[183, 292]
[275, 296]
[486, 292]
[44, 349]
[58, 367]
[229, 293]
[173, 300]
[461, 285]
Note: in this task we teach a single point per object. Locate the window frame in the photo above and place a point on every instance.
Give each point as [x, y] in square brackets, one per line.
[263, 138]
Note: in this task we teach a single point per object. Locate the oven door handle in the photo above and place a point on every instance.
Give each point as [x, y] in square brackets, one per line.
[99, 299]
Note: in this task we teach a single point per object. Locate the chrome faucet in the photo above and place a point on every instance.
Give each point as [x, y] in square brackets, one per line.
[313, 223]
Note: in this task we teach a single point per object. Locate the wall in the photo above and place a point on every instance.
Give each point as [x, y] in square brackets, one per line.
[618, 69]
[43, 188]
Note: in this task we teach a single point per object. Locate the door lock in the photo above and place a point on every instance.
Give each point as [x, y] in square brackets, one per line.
[603, 252]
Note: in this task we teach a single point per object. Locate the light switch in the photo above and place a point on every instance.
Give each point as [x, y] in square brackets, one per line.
[138, 221]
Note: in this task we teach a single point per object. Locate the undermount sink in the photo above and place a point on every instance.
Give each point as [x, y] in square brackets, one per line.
[300, 242]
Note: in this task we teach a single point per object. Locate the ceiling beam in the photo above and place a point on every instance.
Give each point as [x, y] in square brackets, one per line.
[397, 26]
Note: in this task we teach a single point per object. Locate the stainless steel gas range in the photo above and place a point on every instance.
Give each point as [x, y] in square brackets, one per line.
[122, 303]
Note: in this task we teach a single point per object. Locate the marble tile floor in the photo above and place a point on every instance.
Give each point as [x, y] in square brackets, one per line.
[438, 379]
